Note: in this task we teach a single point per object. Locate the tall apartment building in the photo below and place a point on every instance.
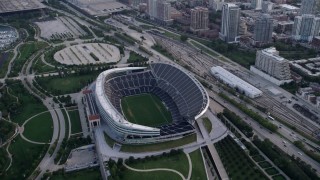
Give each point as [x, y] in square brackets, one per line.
[152, 8]
[269, 61]
[230, 23]
[305, 27]
[256, 4]
[159, 10]
[163, 11]
[263, 29]
[216, 5]
[308, 6]
[199, 19]
[267, 6]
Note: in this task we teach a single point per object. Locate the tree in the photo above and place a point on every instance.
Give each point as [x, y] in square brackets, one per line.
[184, 38]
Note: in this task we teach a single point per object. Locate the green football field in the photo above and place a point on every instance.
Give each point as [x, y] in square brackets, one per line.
[145, 109]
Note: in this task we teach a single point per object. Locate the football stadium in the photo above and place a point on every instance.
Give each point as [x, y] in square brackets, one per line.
[141, 105]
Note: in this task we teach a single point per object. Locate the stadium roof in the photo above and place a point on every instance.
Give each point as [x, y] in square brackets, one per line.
[234, 80]
[107, 105]
[8, 6]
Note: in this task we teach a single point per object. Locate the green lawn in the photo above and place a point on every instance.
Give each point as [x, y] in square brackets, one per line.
[177, 162]
[272, 171]
[237, 163]
[198, 170]
[43, 134]
[108, 139]
[258, 158]
[171, 35]
[134, 57]
[159, 146]
[28, 104]
[156, 175]
[207, 124]
[145, 109]
[87, 174]
[204, 49]
[40, 67]
[278, 177]
[264, 164]
[65, 85]
[26, 157]
[75, 121]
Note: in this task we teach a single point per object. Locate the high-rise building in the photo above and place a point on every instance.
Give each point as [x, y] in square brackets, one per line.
[267, 6]
[163, 10]
[216, 4]
[230, 23]
[305, 27]
[199, 19]
[152, 8]
[308, 6]
[256, 4]
[159, 10]
[263, 29]
[269, 61]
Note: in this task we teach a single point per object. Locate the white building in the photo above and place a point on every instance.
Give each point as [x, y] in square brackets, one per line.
[152, 8]
[305, 27]
[230, 23]
[308, 6]
[216, 5]
[267, 6]
[271, 66]
[235, 82]
[256, 4]
[159, 10]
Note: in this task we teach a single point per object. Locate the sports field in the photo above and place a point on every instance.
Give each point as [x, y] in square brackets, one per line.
[145, 109]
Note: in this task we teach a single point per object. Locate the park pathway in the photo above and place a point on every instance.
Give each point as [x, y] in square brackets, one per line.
[156, 169]
[190, 166]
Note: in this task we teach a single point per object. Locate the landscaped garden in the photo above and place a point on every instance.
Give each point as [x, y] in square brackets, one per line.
[236, 162]
[25, 52]
[25, 158]
[17, 101]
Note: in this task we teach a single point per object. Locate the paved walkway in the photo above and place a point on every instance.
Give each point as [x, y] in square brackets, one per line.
[190, 166]
[217, 126]
[45, 62]
[156, 169]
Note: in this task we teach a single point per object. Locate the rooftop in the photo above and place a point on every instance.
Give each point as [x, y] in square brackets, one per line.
[272, 51]
[289, 7]
[235, 80]
[7, 6]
